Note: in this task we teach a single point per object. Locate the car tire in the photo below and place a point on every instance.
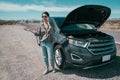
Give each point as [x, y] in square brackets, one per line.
[59, 57]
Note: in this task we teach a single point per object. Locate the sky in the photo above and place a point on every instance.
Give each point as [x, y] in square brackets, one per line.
[32, 9]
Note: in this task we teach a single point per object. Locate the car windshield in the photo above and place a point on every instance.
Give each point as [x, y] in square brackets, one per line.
[59, 21]
[76, 27]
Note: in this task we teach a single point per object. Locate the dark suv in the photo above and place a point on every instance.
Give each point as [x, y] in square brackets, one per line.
[77, 40]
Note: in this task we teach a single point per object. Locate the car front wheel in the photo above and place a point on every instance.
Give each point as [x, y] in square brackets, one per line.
[59, 57]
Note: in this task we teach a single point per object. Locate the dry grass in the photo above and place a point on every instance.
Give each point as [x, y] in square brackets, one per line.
[8, 22]
[113, 24]
[12, 22]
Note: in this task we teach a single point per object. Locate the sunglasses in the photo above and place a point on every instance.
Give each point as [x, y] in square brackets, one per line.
[44, 16]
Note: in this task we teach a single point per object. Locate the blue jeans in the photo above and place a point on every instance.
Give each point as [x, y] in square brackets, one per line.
[47, 49]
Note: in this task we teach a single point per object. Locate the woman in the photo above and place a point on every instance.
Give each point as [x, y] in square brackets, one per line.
[45, 39]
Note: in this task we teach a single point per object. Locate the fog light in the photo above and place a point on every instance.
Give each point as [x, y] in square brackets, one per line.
[76, 57]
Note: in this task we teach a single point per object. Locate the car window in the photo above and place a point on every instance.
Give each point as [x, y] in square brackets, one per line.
[59, 21]
[84, 26]
[78, 27]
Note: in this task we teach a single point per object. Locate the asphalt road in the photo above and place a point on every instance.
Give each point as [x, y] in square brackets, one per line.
[21, 59]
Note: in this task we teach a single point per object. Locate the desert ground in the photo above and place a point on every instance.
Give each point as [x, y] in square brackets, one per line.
[21, 59]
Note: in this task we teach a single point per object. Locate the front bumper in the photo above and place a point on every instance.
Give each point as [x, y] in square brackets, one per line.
[82, 57]
[98, 65]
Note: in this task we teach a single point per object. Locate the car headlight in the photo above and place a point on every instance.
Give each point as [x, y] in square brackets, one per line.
[77, 42]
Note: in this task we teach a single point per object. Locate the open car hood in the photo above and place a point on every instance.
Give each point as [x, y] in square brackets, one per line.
[90, 14]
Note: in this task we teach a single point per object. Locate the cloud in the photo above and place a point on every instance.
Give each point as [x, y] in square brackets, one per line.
[16, 7]
[48, 2]
[11, 7]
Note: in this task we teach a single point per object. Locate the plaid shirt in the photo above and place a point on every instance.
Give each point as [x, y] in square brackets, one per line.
[44, 34]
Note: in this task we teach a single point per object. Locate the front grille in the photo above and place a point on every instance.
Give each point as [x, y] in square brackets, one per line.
[101, 47]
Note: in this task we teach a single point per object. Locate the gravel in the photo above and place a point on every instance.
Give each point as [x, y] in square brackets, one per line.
[21, 59]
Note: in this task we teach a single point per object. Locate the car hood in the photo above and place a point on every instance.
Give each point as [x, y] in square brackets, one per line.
[91, 14]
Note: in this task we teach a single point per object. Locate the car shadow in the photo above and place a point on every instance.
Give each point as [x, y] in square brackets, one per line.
[106, 71]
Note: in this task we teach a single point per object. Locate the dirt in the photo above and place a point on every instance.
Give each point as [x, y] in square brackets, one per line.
[21, 59]
[19, 54]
